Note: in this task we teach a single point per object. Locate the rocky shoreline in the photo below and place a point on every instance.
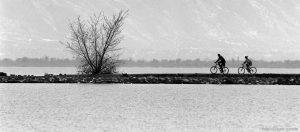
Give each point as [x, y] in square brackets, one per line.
[257, 79]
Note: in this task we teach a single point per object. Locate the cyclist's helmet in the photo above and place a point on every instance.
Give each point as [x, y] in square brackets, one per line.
[246, 57]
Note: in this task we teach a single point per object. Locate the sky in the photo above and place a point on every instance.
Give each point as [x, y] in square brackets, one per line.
[159, 29]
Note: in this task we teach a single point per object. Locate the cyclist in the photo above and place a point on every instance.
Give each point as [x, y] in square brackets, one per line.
[248, 63]
[221, 62]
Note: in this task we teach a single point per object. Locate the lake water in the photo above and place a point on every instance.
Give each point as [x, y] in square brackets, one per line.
[149, 108]
[129, 70]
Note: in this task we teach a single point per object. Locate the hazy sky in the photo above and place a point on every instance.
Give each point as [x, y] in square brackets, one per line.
[161, 29]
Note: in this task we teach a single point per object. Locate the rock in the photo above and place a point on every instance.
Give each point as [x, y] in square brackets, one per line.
[3, 74]
[92, 81]
[281, 80]
[214, 81]
[227, 81]
[241, 81]
[134, 80]
[177, 80]
[185, 81]
[166, 80]
[162, 80]
[115, 80]
[152, 79]
[195, 80]
[143, 80]
[12, 81]
[48, 75]
[124, 74]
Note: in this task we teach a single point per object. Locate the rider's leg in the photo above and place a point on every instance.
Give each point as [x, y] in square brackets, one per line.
[248, 67]
[219, 64]
[221, 67]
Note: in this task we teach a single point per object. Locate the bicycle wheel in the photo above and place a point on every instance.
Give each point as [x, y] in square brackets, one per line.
[253, 70]
[241, 70]
[225, 70]
[213, 69]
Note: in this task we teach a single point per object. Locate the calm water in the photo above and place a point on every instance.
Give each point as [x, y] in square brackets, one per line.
[153, 108]
[73, 70]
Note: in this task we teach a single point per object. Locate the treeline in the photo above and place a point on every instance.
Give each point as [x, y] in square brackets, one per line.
[38, 62]
[208, 63]
[56, 62]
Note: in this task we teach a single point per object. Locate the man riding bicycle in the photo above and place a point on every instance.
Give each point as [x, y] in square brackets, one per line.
[248, 63]
[221, 62]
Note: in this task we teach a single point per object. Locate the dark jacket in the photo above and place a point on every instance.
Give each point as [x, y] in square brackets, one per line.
[221, 59]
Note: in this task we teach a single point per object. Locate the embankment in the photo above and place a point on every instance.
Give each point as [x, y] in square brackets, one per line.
[257, 79]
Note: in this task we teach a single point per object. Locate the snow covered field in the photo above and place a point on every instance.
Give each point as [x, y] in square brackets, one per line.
[133, 107]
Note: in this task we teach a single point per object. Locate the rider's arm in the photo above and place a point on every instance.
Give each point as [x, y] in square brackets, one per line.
[217, 60]
[245, 62]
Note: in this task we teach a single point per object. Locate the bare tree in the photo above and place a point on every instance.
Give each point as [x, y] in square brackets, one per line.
[95, 42]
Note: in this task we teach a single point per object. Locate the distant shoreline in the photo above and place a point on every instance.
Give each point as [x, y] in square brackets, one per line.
[150, 67]
[246, 79]
[178, 63]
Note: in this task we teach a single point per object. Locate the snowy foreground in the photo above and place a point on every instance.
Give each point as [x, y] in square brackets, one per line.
[153, 108]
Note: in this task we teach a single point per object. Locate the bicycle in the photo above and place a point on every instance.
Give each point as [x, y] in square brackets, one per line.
[214, 69]
[243, 68]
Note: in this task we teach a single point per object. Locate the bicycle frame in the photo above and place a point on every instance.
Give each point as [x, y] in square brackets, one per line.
[218, 68]
[250, 69]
